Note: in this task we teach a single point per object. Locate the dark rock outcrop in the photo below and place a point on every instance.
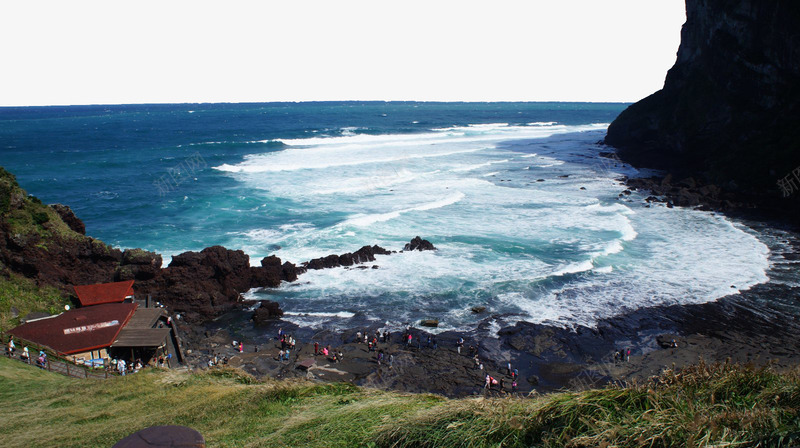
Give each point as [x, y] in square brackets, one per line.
[69, 218]
[429, 323]
[418, 244]
[205, 284]
[138, 264]
[267, 311]
[363, 255]
[729, 111]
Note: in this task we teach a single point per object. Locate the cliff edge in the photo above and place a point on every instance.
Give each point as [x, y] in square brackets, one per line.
[729, 111]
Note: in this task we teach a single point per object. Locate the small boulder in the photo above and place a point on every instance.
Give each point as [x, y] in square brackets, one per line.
[429, 323]
[478, 309]
[267, 311]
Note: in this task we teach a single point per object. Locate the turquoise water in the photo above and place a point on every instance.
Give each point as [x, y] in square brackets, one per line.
[526, 216]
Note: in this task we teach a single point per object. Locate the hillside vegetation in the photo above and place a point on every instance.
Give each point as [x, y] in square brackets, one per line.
[721, 405]
[23, 218]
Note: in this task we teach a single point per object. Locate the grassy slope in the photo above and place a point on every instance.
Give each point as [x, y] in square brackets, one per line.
[702, 406]
[24, 296]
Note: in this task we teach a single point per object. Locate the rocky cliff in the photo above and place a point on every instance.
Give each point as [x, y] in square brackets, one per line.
[729, 111]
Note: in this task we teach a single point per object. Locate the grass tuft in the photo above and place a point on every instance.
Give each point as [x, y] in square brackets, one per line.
[705, 405]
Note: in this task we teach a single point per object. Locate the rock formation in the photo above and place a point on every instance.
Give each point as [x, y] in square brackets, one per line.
[729, 109]
[418, 244]
[363, 255]
[267, 311]
[203, 285]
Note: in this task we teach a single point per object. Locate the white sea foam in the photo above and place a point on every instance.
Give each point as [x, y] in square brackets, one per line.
[574, 268]
[543, 251]
[340, 314]
[477, 166]
[365, 220]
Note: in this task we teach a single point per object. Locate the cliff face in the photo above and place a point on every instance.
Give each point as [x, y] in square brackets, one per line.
[730, 108]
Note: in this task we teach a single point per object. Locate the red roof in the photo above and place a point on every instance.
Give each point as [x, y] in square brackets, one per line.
[78, 330]
[104, 293]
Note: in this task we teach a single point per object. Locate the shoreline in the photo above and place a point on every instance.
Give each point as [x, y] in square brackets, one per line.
[754, 326]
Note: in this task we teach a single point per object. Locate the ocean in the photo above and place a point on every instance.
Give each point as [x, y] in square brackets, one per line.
[528, 219]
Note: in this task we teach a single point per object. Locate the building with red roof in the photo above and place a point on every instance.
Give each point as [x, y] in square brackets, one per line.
[99, 294]
[104, 323]
[82, 330]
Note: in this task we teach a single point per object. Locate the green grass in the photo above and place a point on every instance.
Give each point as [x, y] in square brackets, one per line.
[28, 216]
[721, 405]
[24, 296]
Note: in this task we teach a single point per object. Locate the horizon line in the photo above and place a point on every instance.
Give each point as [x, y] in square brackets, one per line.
[315, 101]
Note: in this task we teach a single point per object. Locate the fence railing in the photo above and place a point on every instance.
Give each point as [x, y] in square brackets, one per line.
[54, 361]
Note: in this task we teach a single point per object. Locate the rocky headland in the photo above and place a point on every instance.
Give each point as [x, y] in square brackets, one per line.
[729, 112]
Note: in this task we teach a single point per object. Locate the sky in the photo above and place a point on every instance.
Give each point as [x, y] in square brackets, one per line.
[124, 52]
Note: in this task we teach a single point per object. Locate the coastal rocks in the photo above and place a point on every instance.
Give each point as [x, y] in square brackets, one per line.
[138, 264]
[205, 284]
[478, 309]
[268, 310]
[69, 218]
[432, 323]
[667, 340]
[418, 244]
[689, 192]
[730, 107]
[364, 255]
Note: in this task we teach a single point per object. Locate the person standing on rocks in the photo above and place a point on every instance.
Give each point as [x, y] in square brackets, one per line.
[514, 387]
[459, 344]
[316, 348]
[391, 361]
[241, 347]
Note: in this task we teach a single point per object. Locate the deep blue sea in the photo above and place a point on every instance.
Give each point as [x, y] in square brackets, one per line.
[527, 218]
